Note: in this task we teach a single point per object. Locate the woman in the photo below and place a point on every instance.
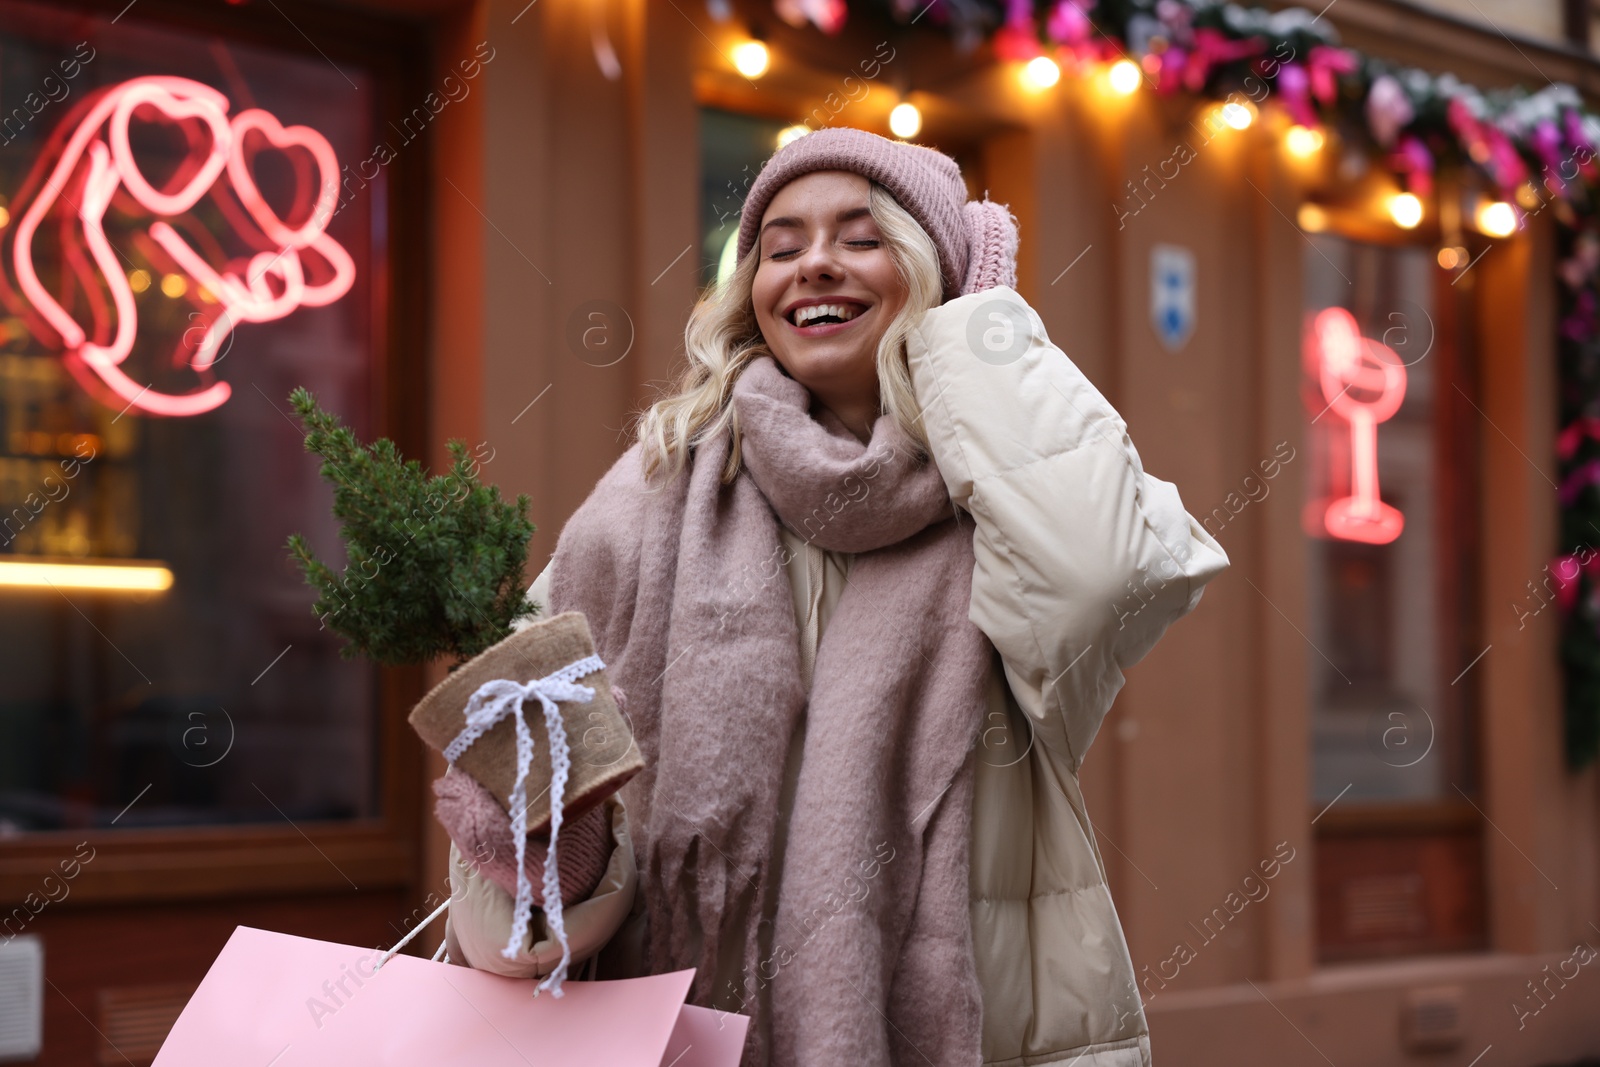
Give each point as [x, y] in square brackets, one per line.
[868, 578]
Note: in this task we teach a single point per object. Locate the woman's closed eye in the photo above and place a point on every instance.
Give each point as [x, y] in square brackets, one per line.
[861, 243]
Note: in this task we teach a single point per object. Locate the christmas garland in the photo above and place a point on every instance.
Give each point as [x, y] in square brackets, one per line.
[1531, 150]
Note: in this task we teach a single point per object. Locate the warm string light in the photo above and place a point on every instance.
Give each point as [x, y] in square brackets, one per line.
[905, 120]
[1496, 218]
[1312, 218]
[1124, 76]
[1040, 73]
[1406, 210]
[751, 58]
[1237, 115]
[1303, 142]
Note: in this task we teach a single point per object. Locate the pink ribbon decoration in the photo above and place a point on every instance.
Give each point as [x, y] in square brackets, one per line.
[1566, 569]
[1566, 587]
[1580, 324]
[1017, 42]
[1093, 51]
[1545, 141]
[1212, 47]
[1583, 148]
[1068, 23]
[97, 160]
[1294, 88]
[1325, 63]
[1488, 146]
[1018, 39]
[1575, 483]
[827, 15]
[1509, 168]
[1388, 110]
[1412, 158]
[1178, 18]
[1169, 70]
[1570, 438]
[1468, 130]
[1578, 268]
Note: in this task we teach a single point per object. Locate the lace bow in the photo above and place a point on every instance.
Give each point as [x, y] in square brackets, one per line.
[496, 700]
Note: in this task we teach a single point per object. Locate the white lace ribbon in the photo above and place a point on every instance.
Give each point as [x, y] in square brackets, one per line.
[495, 700]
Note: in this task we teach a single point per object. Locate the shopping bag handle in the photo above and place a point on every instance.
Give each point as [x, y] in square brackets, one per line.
[406, 940]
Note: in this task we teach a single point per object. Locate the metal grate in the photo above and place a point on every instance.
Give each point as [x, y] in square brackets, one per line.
[135, 1020]
[21, 998]
[1385, 905]
[1431, 1019]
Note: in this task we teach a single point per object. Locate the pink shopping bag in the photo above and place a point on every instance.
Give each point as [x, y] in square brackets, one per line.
[280, 1001]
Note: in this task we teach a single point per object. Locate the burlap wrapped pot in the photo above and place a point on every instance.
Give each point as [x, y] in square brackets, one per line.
[603, 753]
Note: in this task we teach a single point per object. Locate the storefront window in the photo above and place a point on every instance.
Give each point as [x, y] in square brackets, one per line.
[732, 149]
[182, 246]
[1389, 474]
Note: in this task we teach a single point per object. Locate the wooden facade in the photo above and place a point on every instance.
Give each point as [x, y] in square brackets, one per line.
[553, 186]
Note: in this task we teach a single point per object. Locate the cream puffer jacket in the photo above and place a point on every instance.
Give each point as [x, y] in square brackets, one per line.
[1083, 561]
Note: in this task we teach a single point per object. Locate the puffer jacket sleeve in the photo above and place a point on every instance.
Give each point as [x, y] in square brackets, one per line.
[1083, 559]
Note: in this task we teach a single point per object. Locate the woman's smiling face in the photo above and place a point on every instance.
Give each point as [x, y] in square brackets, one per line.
[826, 289]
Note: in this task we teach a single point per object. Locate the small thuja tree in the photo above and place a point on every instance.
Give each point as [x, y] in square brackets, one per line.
[435, 564]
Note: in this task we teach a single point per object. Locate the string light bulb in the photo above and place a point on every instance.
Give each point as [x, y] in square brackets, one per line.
[905, 120]
[792, 133]
[1406, 210]
[751, 58]
[1040, 73]
[1312, 218]
[1497, 218]
[1124, 76]
[1238, 115]
[1303, 141]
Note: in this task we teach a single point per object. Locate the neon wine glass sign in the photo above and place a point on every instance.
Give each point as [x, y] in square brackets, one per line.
[97, 160]
[1364, 382]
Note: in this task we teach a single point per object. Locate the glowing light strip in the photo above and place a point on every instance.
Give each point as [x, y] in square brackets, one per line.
[107, 163]
[1348, 361]
[104, 576]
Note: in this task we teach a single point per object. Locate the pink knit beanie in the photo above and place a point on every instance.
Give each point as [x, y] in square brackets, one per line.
[976, 239]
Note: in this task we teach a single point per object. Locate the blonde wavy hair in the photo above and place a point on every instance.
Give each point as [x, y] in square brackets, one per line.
[722, 337]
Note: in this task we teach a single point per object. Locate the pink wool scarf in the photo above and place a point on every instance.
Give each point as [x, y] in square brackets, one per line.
[868, 956]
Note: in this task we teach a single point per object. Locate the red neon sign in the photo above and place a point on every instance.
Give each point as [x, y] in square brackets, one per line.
[96, 161]
[1364, 382]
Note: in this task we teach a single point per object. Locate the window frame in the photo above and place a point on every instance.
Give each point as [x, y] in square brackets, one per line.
[383, 851]
[1458, 546]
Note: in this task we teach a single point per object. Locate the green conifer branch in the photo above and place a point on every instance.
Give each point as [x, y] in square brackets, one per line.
[435, 563]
